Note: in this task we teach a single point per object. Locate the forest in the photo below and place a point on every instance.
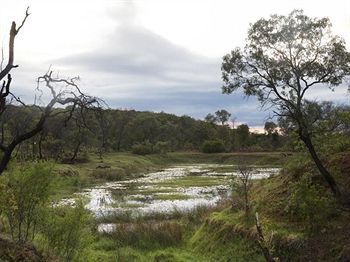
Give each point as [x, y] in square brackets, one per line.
[111, 130]
[83, 181]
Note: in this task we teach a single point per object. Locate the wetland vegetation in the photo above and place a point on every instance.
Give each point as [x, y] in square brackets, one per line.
[82, 182]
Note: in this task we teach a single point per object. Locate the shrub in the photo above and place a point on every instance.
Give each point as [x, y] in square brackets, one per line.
[144, 148]
[66, 231]
[161, 147]
[24, 192]
[241, 184]
[213, 146]
[310, 203]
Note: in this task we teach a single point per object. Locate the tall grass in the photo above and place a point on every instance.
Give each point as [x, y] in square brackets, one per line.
[147, 234]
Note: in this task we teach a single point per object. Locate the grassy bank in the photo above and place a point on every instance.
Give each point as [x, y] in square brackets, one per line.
[301, 221]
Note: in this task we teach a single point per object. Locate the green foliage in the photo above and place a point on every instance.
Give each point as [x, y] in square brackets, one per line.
[109, 174]
[309, 202]
[24, 193]
[67, 232]
[161, 147]
[213, 146]
[127, 130]
[222, 116]
[210, 118]
[148, 235]
[144, 148]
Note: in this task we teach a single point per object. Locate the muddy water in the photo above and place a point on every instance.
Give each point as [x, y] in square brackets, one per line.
[180, 188]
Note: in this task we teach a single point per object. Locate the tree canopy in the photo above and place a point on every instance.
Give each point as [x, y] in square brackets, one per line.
[286, 57]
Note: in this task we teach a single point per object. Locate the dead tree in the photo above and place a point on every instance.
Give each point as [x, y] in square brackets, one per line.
[5, 72]
[63, 92]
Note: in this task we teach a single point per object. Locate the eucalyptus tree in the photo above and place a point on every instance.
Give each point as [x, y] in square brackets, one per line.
[210, 118]
[285, 58]
[222, 116]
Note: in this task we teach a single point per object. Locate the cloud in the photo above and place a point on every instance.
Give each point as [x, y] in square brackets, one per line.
[136, 68]
[139, 55]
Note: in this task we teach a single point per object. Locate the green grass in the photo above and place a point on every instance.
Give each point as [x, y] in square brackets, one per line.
[170, 197]
[151, 191]
[217, 239]
[191, 181]
[105, 250]
[142, 243]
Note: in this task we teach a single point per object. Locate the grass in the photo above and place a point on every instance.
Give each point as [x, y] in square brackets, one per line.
[159, 236]
[129, 254]
[163, 237]
[156, 237]
[191, 181]
[147, 235]
[204, 234]
[170, 197]
[217, 239]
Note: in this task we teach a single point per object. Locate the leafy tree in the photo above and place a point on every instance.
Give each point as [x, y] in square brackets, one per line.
[285, 57]
[222, 116]
[213, 146]
[210, 118]
[272, 133]
[144, 148]
[243, 135]
[270, 127]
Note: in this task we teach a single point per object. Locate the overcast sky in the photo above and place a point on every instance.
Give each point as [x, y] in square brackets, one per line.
[150, 55]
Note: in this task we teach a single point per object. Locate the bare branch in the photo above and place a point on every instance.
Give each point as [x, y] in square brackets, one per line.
[13, 33]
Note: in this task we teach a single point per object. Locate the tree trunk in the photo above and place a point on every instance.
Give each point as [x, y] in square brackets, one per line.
[323, 171]
[40, 146]
[120, 135]
[76, 150]
[246, 200]
[5, 160]
[7, 151]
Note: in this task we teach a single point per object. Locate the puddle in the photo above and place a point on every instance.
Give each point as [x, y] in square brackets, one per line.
[180, 188]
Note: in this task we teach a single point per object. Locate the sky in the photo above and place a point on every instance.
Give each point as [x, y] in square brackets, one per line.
[154, 55]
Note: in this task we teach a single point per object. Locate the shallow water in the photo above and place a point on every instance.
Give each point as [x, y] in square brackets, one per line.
[180, 188]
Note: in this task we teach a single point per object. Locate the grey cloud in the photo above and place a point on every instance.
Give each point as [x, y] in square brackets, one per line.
[134, 51]
[144, 71]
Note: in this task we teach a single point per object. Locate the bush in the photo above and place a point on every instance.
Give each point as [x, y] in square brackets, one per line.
[144, 148]
[161, 147]
[66, 231]
[310, 203]
[24, 193]
[213, 146]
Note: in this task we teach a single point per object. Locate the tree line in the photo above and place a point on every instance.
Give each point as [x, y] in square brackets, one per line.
[72, 134]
